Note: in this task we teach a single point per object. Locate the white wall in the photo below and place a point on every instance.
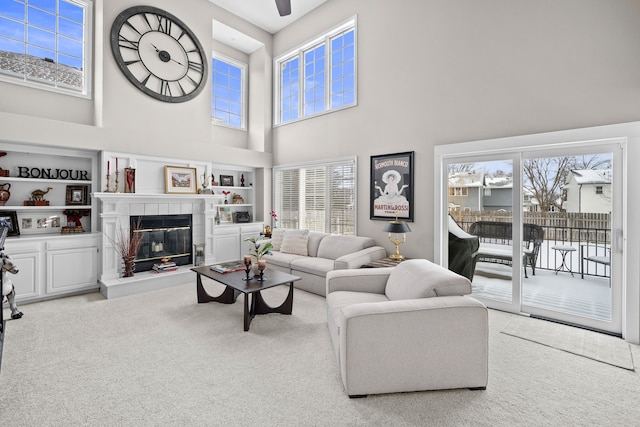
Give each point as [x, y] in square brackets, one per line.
[464, 70]
[122, 118]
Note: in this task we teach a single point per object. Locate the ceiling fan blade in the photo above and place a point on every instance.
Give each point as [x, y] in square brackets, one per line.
[284, 7]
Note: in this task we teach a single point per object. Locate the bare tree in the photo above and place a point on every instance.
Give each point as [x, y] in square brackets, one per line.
[457, 168]
[545, 178]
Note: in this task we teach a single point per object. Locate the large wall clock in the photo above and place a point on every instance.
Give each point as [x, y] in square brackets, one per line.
[159, 54]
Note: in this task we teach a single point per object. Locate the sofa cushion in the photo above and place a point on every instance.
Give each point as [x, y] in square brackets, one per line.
[281, 259]
[315, 237]
[311, 265]
[277, 234]
[295, 242]
[334, 246]
[420, 278]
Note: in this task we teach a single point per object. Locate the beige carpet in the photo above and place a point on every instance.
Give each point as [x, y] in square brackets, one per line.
[161, 359]
[603, 348]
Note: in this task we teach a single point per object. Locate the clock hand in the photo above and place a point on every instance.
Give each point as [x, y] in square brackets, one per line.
[164, 56]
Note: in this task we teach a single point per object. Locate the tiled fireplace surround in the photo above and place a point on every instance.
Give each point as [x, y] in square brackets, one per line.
[116, 208]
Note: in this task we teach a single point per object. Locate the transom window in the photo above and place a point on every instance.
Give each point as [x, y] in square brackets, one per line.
[228, 100]
[317, 77]
[45, 43]
[317, 196]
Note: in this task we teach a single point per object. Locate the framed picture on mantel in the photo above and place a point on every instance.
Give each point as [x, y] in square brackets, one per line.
[180, 180]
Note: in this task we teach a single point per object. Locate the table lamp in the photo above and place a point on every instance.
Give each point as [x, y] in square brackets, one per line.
[397, 227]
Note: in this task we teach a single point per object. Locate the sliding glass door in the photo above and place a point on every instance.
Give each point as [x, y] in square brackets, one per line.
[578, 203]
[547, 223]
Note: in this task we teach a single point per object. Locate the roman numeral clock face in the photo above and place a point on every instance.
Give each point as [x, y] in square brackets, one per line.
[158, 54]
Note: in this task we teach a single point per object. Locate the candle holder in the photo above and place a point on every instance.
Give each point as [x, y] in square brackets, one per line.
[247, 267]
[108, 190]
[262, 264]
[117, 179]
[261, 278]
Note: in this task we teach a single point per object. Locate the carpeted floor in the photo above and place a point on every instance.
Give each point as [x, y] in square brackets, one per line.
[160, 358]
[594, 345]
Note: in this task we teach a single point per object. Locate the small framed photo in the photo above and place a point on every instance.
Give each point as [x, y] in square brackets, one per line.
[224, 213]
[77, 195]
[11, 218]
[180, 180]
[129, 180]
[226, 180]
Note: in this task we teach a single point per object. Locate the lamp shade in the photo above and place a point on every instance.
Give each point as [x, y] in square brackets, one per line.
[397, 227]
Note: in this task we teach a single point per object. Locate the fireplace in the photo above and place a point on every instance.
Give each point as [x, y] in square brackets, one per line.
[163, 236]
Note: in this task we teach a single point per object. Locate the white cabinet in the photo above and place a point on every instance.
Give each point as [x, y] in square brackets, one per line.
[28, 257]
[72, 264]
[54, 266]
[228, 241]
[246, 232]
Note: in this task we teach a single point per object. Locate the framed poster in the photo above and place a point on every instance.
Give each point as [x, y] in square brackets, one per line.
[180, 180]
[391, 186]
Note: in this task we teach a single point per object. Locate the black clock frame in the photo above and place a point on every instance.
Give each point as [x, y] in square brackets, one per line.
[123, 17]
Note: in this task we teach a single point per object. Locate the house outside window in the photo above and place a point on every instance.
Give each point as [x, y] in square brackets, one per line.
[46, 44]
[317, 196]
[317, 77]
[228, 97]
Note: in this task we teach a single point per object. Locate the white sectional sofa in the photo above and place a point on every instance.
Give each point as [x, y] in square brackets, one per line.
[311, 255]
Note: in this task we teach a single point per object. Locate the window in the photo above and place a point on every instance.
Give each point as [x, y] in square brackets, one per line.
[598, 189]
[318, 196]
[45, 43]
[317, 77]
[458, 191]
[228, 100]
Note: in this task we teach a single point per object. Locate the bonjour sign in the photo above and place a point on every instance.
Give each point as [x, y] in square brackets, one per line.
[48, 173]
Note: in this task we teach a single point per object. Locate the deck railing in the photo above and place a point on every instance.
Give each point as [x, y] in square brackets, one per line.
[589, 234]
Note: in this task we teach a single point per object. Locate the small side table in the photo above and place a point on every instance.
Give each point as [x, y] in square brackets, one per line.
[384, 262]
[564, 250]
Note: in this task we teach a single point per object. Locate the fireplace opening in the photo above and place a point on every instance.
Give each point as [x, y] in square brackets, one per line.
[163, 236]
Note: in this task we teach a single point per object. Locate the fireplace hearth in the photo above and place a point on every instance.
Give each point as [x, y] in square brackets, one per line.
[163, 237]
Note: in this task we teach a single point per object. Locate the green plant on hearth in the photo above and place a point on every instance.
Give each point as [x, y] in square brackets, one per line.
[258, 248]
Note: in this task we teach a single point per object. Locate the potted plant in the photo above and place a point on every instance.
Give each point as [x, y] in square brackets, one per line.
[259, 248]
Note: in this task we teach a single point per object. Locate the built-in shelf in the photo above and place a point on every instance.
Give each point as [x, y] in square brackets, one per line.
[45, 180]
[44, 208]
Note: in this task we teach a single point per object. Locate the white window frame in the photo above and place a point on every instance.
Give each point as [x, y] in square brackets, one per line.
[350, 161]
[299, 51]
[86, 92]
[243, 89]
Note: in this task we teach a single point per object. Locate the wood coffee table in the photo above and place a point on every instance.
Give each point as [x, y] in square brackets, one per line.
[235, 285]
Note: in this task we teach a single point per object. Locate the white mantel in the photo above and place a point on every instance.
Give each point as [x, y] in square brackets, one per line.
[115, 210]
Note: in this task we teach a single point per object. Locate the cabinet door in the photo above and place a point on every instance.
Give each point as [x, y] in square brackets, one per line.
[28, 258]
[26, 282]
[71, 270]
[226, 244]
[247, 232]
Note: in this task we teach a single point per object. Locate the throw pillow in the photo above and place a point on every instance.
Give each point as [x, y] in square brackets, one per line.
[420, 278]
[295, 242]
[276, 237]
